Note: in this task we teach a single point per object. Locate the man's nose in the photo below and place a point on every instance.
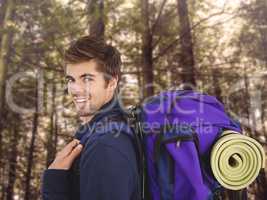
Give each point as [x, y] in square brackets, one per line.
[76, 89]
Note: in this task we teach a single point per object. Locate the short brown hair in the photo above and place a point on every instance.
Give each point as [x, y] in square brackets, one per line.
[90, 47]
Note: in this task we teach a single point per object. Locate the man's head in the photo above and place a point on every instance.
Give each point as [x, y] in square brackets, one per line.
[92, 74]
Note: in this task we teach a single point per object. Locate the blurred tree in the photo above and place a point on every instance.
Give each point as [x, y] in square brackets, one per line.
[157, 48]
[186, 59]
[52, 135]
[31, 151]
[13, 155]
[96, 18]
[147, 50]
[8, 9]
[6, 17]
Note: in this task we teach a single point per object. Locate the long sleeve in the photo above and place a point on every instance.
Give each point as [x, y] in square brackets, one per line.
[107, 174]
[56, 185]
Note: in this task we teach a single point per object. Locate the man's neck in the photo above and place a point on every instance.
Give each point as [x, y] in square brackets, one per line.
[88, 118]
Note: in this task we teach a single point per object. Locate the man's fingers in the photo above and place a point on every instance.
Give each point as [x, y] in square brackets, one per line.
[75, 152]
[64, 160]
[69, 147]
[72, 144]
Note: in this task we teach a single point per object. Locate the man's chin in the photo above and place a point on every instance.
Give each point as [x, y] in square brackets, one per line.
[85, 114]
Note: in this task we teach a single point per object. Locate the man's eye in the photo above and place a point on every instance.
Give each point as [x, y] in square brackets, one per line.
[87, 79]
[69, 81]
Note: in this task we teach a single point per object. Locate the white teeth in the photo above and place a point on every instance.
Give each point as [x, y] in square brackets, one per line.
[80, 100]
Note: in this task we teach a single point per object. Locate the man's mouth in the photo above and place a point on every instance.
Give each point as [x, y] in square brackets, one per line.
[80, 99]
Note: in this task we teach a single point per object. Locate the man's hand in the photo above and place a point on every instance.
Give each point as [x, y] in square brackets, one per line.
[66, 156]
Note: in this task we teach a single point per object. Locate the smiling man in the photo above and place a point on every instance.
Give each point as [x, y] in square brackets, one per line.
[88, 88]
[99, 164]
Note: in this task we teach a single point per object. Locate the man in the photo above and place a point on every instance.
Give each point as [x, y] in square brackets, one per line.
[101, 163]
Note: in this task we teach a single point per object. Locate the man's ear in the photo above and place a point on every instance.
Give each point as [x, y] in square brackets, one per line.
[113, 83]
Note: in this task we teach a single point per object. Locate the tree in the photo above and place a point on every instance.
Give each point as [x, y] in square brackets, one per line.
[6, 15]
[12, 172]
[31, 151]
[162, 44]
[5, 47]
[96, 18]
[147, 50]
[187, 51]
[52, 135]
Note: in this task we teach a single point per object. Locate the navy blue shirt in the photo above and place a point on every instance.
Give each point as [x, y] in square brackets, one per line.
[106, 169]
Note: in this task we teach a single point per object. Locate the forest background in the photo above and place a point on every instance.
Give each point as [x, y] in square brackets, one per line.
[218, 47]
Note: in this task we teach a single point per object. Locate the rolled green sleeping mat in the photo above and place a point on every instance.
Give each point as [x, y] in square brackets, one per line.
[236, 160]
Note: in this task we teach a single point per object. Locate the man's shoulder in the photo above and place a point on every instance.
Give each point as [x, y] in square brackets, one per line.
[113, 134]
[112, 130]
[110, 148]
[119, 141]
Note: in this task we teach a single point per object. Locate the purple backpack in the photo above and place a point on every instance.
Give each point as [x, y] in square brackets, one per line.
[177, 130]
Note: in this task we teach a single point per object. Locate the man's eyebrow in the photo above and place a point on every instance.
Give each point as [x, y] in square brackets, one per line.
[87, 74]
[68, 77]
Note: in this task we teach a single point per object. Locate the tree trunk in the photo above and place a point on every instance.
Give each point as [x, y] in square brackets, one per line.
[32, 147]
[1, 168]
[2, 172]
[12, 163]
[247, 100]
[262, 28]
[51, 142]
[30, 159]
[55, 135]
[147, 51]
[187, 50]
[216, 85]
[2, 15]
[96, 16]
[4, 49]
[6, 14]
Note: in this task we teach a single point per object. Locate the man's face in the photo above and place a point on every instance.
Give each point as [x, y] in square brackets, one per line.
[88, 88]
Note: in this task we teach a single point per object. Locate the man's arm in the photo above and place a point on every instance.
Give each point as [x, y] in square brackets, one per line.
[56, 184]
[56, 180]
[106, 174]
